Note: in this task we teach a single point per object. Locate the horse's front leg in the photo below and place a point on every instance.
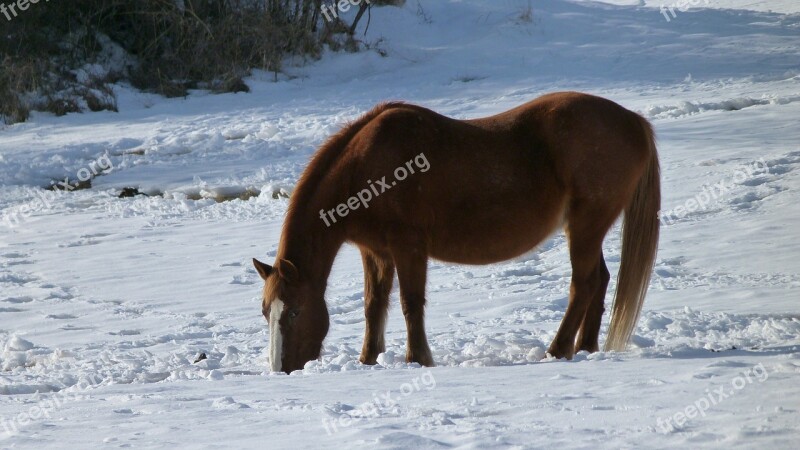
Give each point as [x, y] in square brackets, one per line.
[378, 278]
[411, 260]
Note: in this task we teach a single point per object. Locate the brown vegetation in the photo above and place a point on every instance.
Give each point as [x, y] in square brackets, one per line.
[173, 46]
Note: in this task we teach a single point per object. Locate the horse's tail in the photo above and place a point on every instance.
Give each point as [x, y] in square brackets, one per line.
[639, 245]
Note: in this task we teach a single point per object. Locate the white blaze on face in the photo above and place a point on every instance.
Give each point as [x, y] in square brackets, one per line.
[275, 336]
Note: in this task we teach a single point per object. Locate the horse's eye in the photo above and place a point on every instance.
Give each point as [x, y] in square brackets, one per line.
[293, 313]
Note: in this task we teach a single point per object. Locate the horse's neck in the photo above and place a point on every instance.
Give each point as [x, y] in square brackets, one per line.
[312, 248]
[308, 240]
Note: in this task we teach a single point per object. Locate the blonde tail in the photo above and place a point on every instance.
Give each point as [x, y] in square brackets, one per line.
[640, 231]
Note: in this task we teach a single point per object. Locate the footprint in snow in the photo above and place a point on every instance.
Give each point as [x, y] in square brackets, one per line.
[18, 300]
[61, 316]
[16, 278]
[245, 280]
[228, 403]
[79, 243]
[125, 333]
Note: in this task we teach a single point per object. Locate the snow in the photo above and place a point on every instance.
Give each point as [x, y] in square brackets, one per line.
[106, 302]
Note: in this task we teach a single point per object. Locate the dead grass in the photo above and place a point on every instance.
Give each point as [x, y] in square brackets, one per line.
[177, 46]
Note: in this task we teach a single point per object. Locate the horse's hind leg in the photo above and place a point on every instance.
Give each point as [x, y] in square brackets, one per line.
[586, 228]
[590, 329]
[378, 278]
[412, 270]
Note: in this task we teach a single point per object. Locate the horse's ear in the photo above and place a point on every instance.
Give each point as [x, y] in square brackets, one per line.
[263, 269]
[287, 270]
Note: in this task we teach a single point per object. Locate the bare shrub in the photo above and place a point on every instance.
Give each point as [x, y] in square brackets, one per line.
[177, 45]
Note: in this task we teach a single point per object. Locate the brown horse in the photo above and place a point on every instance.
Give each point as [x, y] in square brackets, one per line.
[405, 184]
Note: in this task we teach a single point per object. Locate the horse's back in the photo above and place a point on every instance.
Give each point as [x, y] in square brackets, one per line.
[499, 185]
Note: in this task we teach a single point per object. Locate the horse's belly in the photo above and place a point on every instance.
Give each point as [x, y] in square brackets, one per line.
[486, 240]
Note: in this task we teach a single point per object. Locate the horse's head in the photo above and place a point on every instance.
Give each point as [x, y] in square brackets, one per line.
[296, 314]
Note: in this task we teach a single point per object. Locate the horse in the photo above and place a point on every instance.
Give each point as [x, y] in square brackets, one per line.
[492, 189]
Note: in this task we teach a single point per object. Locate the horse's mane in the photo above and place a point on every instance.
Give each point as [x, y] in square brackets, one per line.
[320, 165]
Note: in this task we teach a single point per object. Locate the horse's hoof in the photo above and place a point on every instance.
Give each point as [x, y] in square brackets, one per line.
[423, 360]
[371, 361]
[425, 363]
[591, 348]
[559, 353]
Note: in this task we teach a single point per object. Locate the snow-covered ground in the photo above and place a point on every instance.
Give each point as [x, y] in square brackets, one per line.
[106, 302]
